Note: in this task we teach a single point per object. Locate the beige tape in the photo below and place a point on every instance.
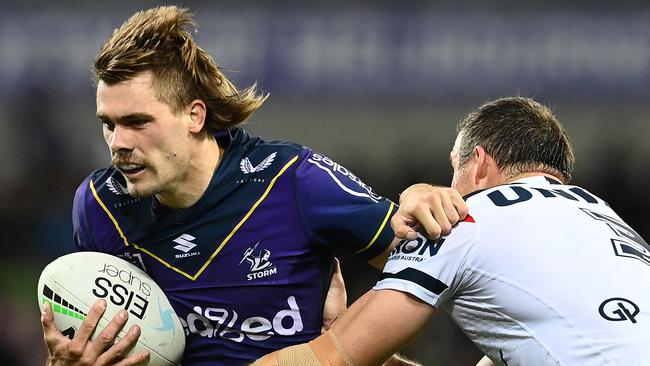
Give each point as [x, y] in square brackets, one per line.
[339, 347]
[300, 354]
[324, 350]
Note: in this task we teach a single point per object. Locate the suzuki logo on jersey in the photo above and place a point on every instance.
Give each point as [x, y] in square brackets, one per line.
[247, 167]
[416, 250]
[115, 187]
[218, 322]
[260, 266]
[330, 167]
[185, 245]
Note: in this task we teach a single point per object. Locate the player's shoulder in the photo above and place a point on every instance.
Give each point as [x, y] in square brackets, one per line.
[103, 187]
[256, 148]
[103, 180]
[98, 180]
[535, 190]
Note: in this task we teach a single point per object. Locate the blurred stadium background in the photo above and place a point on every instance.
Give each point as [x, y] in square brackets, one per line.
[376, 85]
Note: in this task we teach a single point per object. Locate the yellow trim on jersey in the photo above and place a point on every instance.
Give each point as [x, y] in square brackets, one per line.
[110, 216]
[223, 243]
[126, 242]
[268, 189]
[381, 228]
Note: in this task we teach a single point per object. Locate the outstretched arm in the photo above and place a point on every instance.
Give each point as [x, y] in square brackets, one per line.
[336, 304]
[370, 332]
[385, 322]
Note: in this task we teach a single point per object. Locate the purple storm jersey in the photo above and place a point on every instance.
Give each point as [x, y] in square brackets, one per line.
[246, 267]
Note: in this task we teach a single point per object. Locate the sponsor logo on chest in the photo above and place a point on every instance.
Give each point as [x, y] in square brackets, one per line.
[224, 323]
[184, 244]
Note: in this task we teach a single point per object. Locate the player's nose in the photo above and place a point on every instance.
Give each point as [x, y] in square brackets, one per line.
[120, 140]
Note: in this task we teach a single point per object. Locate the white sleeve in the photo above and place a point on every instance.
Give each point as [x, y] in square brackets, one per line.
[428, 269]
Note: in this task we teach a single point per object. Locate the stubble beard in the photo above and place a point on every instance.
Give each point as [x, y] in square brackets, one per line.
[143, 189]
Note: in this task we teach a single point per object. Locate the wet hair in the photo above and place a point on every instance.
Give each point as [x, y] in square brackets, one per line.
[159, 40]
[520, 134]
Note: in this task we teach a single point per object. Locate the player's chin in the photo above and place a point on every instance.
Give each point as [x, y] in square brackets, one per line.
[141, 189]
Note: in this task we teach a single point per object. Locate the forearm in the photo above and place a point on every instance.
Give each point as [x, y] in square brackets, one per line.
[372, 330]
[369, 333]
[399, 360]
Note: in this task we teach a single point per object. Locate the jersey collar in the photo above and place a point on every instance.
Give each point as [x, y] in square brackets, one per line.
[538, 179]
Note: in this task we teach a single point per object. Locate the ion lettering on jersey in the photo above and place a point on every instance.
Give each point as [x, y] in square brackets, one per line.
[548, 274]
[416, 250]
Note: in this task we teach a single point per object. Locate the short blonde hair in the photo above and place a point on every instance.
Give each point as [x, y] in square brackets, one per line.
[159, 40]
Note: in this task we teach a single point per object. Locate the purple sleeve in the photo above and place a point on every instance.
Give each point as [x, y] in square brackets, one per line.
[339, 210]
[81, 229]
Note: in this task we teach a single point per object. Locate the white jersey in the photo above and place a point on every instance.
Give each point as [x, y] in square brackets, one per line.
[539, 274]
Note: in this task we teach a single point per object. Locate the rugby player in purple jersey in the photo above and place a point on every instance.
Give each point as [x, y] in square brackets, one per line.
[239, 232]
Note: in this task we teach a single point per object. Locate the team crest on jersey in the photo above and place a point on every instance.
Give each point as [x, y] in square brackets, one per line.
[115, 187]
[247, 167]
[259, 261]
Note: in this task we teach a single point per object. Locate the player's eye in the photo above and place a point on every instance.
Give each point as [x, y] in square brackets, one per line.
[107, 124]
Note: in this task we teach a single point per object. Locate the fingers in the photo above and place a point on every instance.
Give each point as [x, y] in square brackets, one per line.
[430, 217]
[402, 226]
[51, 335]
[107, 336]
[337, 275]
[121, 348]
[451, 213]
[80, 341]
[459, 204]
[336, 298]
[138, 358]
[436, 209]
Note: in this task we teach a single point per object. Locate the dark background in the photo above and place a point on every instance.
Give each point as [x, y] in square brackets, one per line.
[377, 86]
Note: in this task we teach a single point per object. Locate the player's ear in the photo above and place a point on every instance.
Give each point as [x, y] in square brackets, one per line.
[197, 112]
[482, 164]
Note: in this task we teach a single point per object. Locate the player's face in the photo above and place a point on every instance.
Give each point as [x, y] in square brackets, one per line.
[147, 141]
[463, 180]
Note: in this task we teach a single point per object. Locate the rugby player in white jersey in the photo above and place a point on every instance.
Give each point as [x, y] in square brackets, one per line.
[539, 273]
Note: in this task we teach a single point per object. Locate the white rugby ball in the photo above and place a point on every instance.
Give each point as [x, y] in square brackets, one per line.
[74, 282]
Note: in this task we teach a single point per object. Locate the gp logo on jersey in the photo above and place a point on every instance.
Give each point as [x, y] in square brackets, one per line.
[416, 250]
[260, 265]
[344, 178]
[247, 167]
[619, 309]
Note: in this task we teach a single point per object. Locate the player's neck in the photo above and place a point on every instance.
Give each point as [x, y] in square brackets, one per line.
[197, 177]
[532, 174]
